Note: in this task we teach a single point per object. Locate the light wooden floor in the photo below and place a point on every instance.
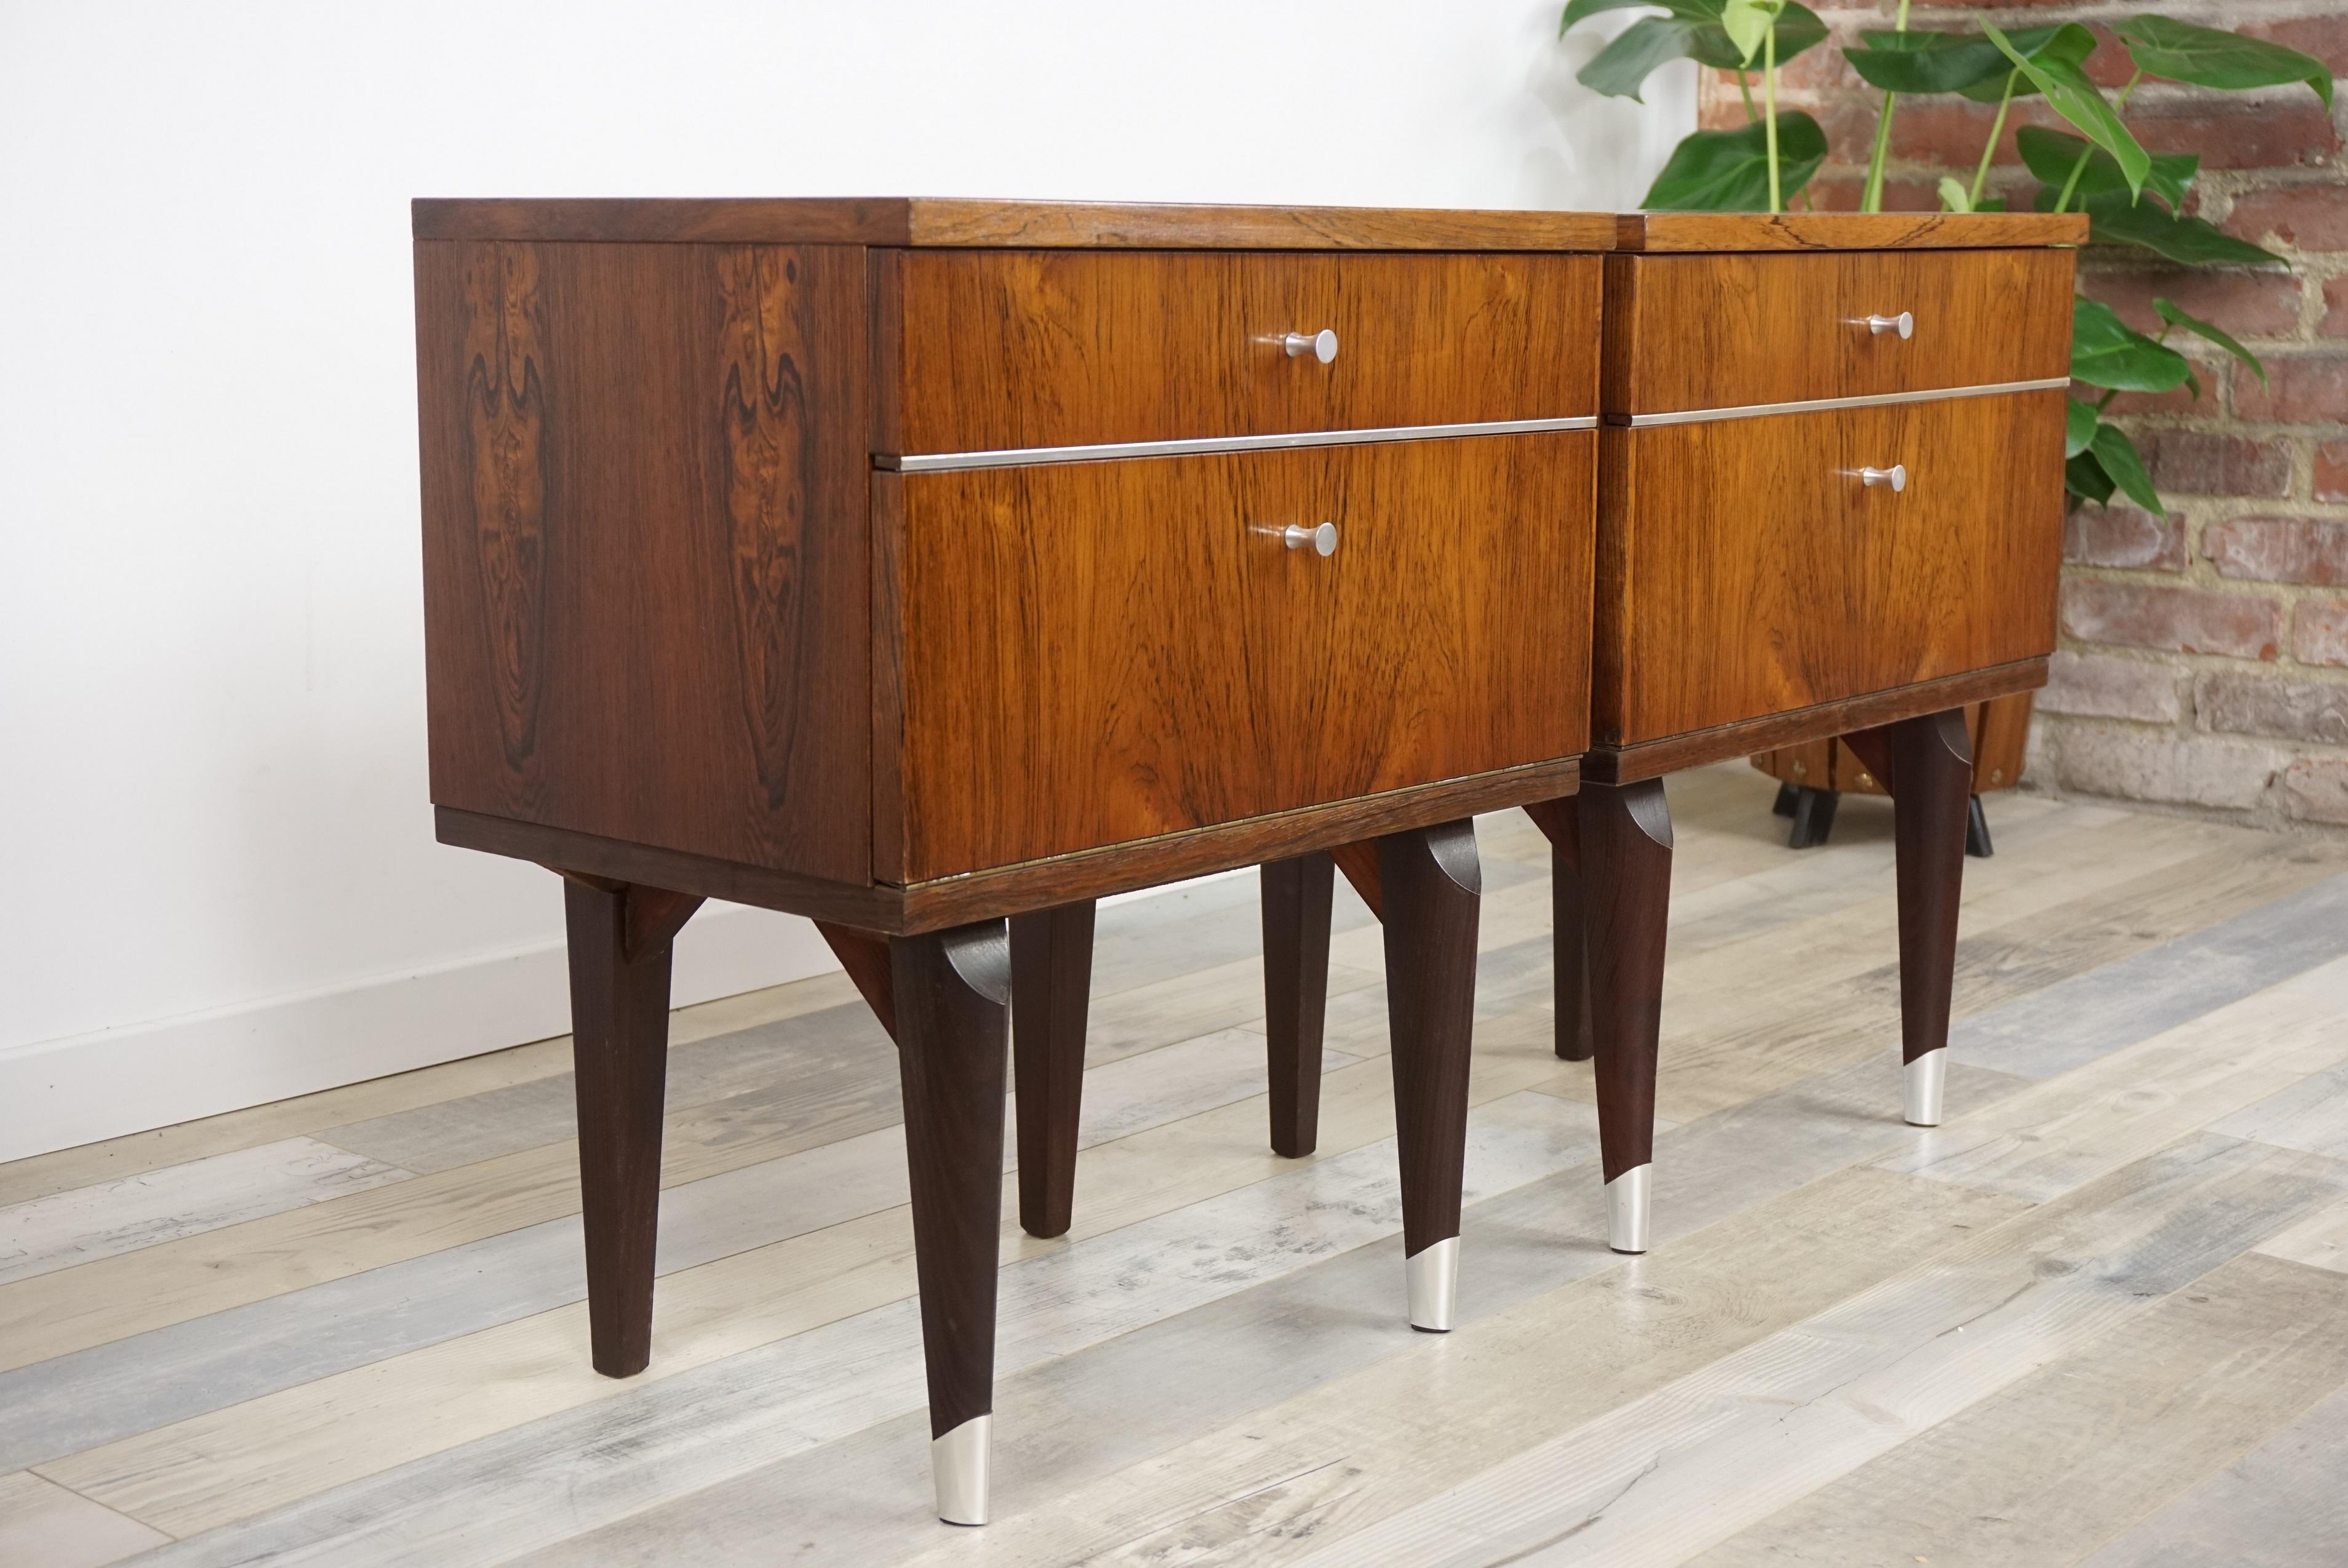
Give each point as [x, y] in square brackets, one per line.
[2100, 1316]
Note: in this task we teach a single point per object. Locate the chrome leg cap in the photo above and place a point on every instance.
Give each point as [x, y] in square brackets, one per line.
[1626, 1210]
[959, 1461]
[1434, 1275]
[1927, 1075]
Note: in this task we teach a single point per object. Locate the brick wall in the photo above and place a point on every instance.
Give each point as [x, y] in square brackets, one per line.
[2204, 656]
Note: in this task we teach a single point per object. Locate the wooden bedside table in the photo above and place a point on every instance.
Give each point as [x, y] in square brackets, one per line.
[1830, 504]
[911, 565]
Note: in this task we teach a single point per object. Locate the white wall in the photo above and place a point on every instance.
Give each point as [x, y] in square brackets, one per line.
[216, 858]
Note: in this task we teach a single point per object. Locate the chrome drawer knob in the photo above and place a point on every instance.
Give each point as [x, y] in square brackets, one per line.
[1904, 323]
[1895, 477]
[1323, 540]
[1322, 345]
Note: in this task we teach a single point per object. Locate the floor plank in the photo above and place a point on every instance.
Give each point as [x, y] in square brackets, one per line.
[134, 1211]
[2034, 1475]
[2278, 1506]
[482, 1502]
[1691, 1465]
[152, 1380]
[43, 1525]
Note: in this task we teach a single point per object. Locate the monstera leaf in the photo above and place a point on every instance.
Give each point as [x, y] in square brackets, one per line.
[2051, 154]
[2207, 57]
[1687, 30]
[2057, 69]
[1728, 170]
[2107, 351]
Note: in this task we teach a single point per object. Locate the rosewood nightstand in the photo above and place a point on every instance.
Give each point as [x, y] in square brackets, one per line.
[1830, 505]
[913, 565]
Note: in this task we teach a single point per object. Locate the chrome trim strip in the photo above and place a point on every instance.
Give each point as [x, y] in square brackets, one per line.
[1821, 404]
[937, 462]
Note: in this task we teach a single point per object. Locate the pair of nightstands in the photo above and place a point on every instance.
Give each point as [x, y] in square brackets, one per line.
[913, 565]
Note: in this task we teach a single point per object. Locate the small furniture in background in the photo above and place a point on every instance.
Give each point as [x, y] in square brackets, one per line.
[1814, 776]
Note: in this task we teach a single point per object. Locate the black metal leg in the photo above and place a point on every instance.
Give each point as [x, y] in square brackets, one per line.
[1977, 844]
[1814, 815]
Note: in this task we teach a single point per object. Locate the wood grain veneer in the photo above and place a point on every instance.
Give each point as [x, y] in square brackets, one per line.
[1721, 331]
[1845, 231]
[1762, 576]
[645, 579]
[1653, 759]
[951, 221]
[1096, 654]
[990, 350]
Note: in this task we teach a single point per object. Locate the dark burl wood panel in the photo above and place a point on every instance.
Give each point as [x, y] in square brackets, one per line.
[644, 544]
[992, 350]
[1100, 653]
[1724, 330]
[1746, 572]
[1845, 231]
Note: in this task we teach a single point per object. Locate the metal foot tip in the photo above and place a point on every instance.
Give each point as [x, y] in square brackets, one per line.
[959, 1462]
[1928, 1075]
[1433, 1275]
[1626, 1210]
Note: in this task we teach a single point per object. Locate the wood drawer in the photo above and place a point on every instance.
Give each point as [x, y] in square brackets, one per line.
[1081, 654]
[1744, 569]
[1728, 331]
[980, 351]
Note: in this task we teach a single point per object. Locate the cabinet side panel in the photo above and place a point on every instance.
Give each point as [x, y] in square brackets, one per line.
[646, 582]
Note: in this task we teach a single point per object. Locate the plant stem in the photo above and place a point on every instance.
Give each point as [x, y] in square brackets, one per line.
[2062, 201]
[1996, 130]
[1769, 102]
[1745, 91]
[1871, 201]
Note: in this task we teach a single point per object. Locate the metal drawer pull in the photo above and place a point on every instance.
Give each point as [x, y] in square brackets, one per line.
[1904, 323]
[1323, 540]
[1322, 345]
[1895, 477]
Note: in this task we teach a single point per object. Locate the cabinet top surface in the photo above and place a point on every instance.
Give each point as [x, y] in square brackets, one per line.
[1655, 232]
[960, 221]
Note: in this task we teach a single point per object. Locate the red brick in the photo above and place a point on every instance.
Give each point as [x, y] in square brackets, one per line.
[2315, 789]
[2272, 130]
[2182, 399]
[2121, 534]
[2334, 321]
[2200, 464]
[2302, 389]
[2098, 686]
[2325, 38]
[2263, 704]
[2280, 549]
[2182, 619]
[2248, 304]
[2319, 633]
[2332, 471]
[2311, 217]
[1950, 130]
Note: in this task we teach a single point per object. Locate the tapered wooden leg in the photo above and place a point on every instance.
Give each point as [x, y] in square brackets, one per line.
[1051, 986]
[1927, 765]
[1626, 864]
[621, 938]
[951, 989]
[1569, 922]
[1431, 881]
[1296, 899]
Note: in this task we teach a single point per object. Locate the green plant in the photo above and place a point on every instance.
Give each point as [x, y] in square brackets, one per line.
[2131, 197]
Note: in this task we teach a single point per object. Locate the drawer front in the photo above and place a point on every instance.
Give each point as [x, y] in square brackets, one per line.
[1005, 349]
[1750, 571]
[1092, 653]
[1731, 331]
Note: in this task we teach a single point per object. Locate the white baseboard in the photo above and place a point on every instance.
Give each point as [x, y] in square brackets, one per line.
[58, 1094]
